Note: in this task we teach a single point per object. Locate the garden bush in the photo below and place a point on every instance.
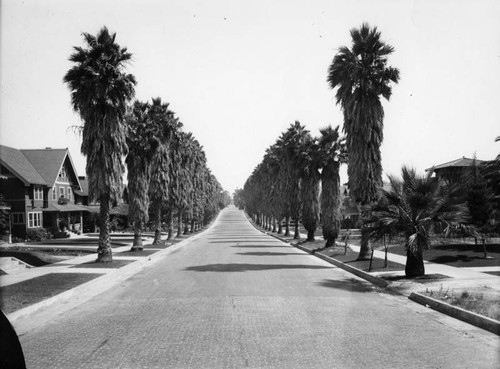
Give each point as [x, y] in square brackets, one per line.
[40, 234]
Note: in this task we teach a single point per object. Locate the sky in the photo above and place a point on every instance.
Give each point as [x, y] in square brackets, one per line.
[238, 73]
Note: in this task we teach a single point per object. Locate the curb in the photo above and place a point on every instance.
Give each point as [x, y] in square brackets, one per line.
[380, 282]
[71, 298]
[456, 312]
[480, 321]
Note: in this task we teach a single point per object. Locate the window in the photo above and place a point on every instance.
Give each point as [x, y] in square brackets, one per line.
[54, 193]
[37, 192]
[18, 218]
[61, 192]
[69, 193]
[63, 176]
[34, 219]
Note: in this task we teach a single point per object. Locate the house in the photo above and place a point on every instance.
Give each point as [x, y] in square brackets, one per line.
[41, 187]
[456, 170]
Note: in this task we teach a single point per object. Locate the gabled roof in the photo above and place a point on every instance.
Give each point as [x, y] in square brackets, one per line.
[20, 166]
[462, 162]
[36, 166]
[47, 162]
[84, 187]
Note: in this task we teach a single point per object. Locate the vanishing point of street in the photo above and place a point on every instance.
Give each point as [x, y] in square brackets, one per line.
[235, 297]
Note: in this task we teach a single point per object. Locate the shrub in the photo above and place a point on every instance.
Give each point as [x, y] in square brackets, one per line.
[39, 234]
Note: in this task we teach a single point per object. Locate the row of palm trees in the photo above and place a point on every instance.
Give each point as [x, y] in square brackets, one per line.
[286, 184]
[166, 167]
[361, 76]
[167, 174]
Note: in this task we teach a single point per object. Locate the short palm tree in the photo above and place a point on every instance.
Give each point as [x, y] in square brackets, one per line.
[361, 76]
[100, 91]
[410, 209]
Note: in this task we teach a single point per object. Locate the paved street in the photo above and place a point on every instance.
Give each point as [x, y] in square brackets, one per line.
[235, 297]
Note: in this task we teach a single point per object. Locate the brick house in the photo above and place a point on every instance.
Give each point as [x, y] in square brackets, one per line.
[42, 189]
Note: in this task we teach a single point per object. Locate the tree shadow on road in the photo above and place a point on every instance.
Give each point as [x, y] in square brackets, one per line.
[242, 240]
[267, 253]
[261, 246]
[235, 267]
[347, 285]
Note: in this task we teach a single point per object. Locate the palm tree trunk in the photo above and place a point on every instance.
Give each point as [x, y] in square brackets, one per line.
[280, 227]
[157, 223]
[414, 262]
[104, 253]
[296, 234]
[179, 222]
[330, 202]
[365, 250]
[310, 205]
[137, 245]
[287, 226]
[170, 224]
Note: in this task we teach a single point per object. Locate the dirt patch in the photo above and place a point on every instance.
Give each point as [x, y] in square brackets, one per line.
[112, 264]
[427, 278]
[19, 295]
[143, 252]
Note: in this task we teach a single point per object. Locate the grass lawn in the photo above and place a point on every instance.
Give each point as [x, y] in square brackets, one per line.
[39, 258]
[458, 255]
[19, 295]
[484, 303]
[337, 252]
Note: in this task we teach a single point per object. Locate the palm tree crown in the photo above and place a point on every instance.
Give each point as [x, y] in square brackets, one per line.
[100, 91]
[361, 75]
[410, 208]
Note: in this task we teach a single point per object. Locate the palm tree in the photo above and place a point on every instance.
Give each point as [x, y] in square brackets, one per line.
[164, 124]
[411, 208]
[307, 161]
[100, 90]
[292, 141]
[141, 145]
[332, 154]
[361, 75]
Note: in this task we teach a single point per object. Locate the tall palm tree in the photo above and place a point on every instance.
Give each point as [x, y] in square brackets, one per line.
[332, 154]
[100, 91]
[411, 208]
[142, 143]
[164, 124]
[361, 75]
[307, 160]
[292, 141]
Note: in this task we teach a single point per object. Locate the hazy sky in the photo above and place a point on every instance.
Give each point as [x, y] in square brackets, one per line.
[237, 73]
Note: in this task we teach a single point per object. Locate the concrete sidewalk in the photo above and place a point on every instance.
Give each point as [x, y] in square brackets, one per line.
[47, 309]
[459, 278]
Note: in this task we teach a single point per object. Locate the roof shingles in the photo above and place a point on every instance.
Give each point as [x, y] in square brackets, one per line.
[18, 164]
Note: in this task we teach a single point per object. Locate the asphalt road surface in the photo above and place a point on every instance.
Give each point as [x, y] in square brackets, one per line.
[235, 298]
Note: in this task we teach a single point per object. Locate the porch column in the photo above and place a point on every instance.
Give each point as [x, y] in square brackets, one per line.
[81, 222]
